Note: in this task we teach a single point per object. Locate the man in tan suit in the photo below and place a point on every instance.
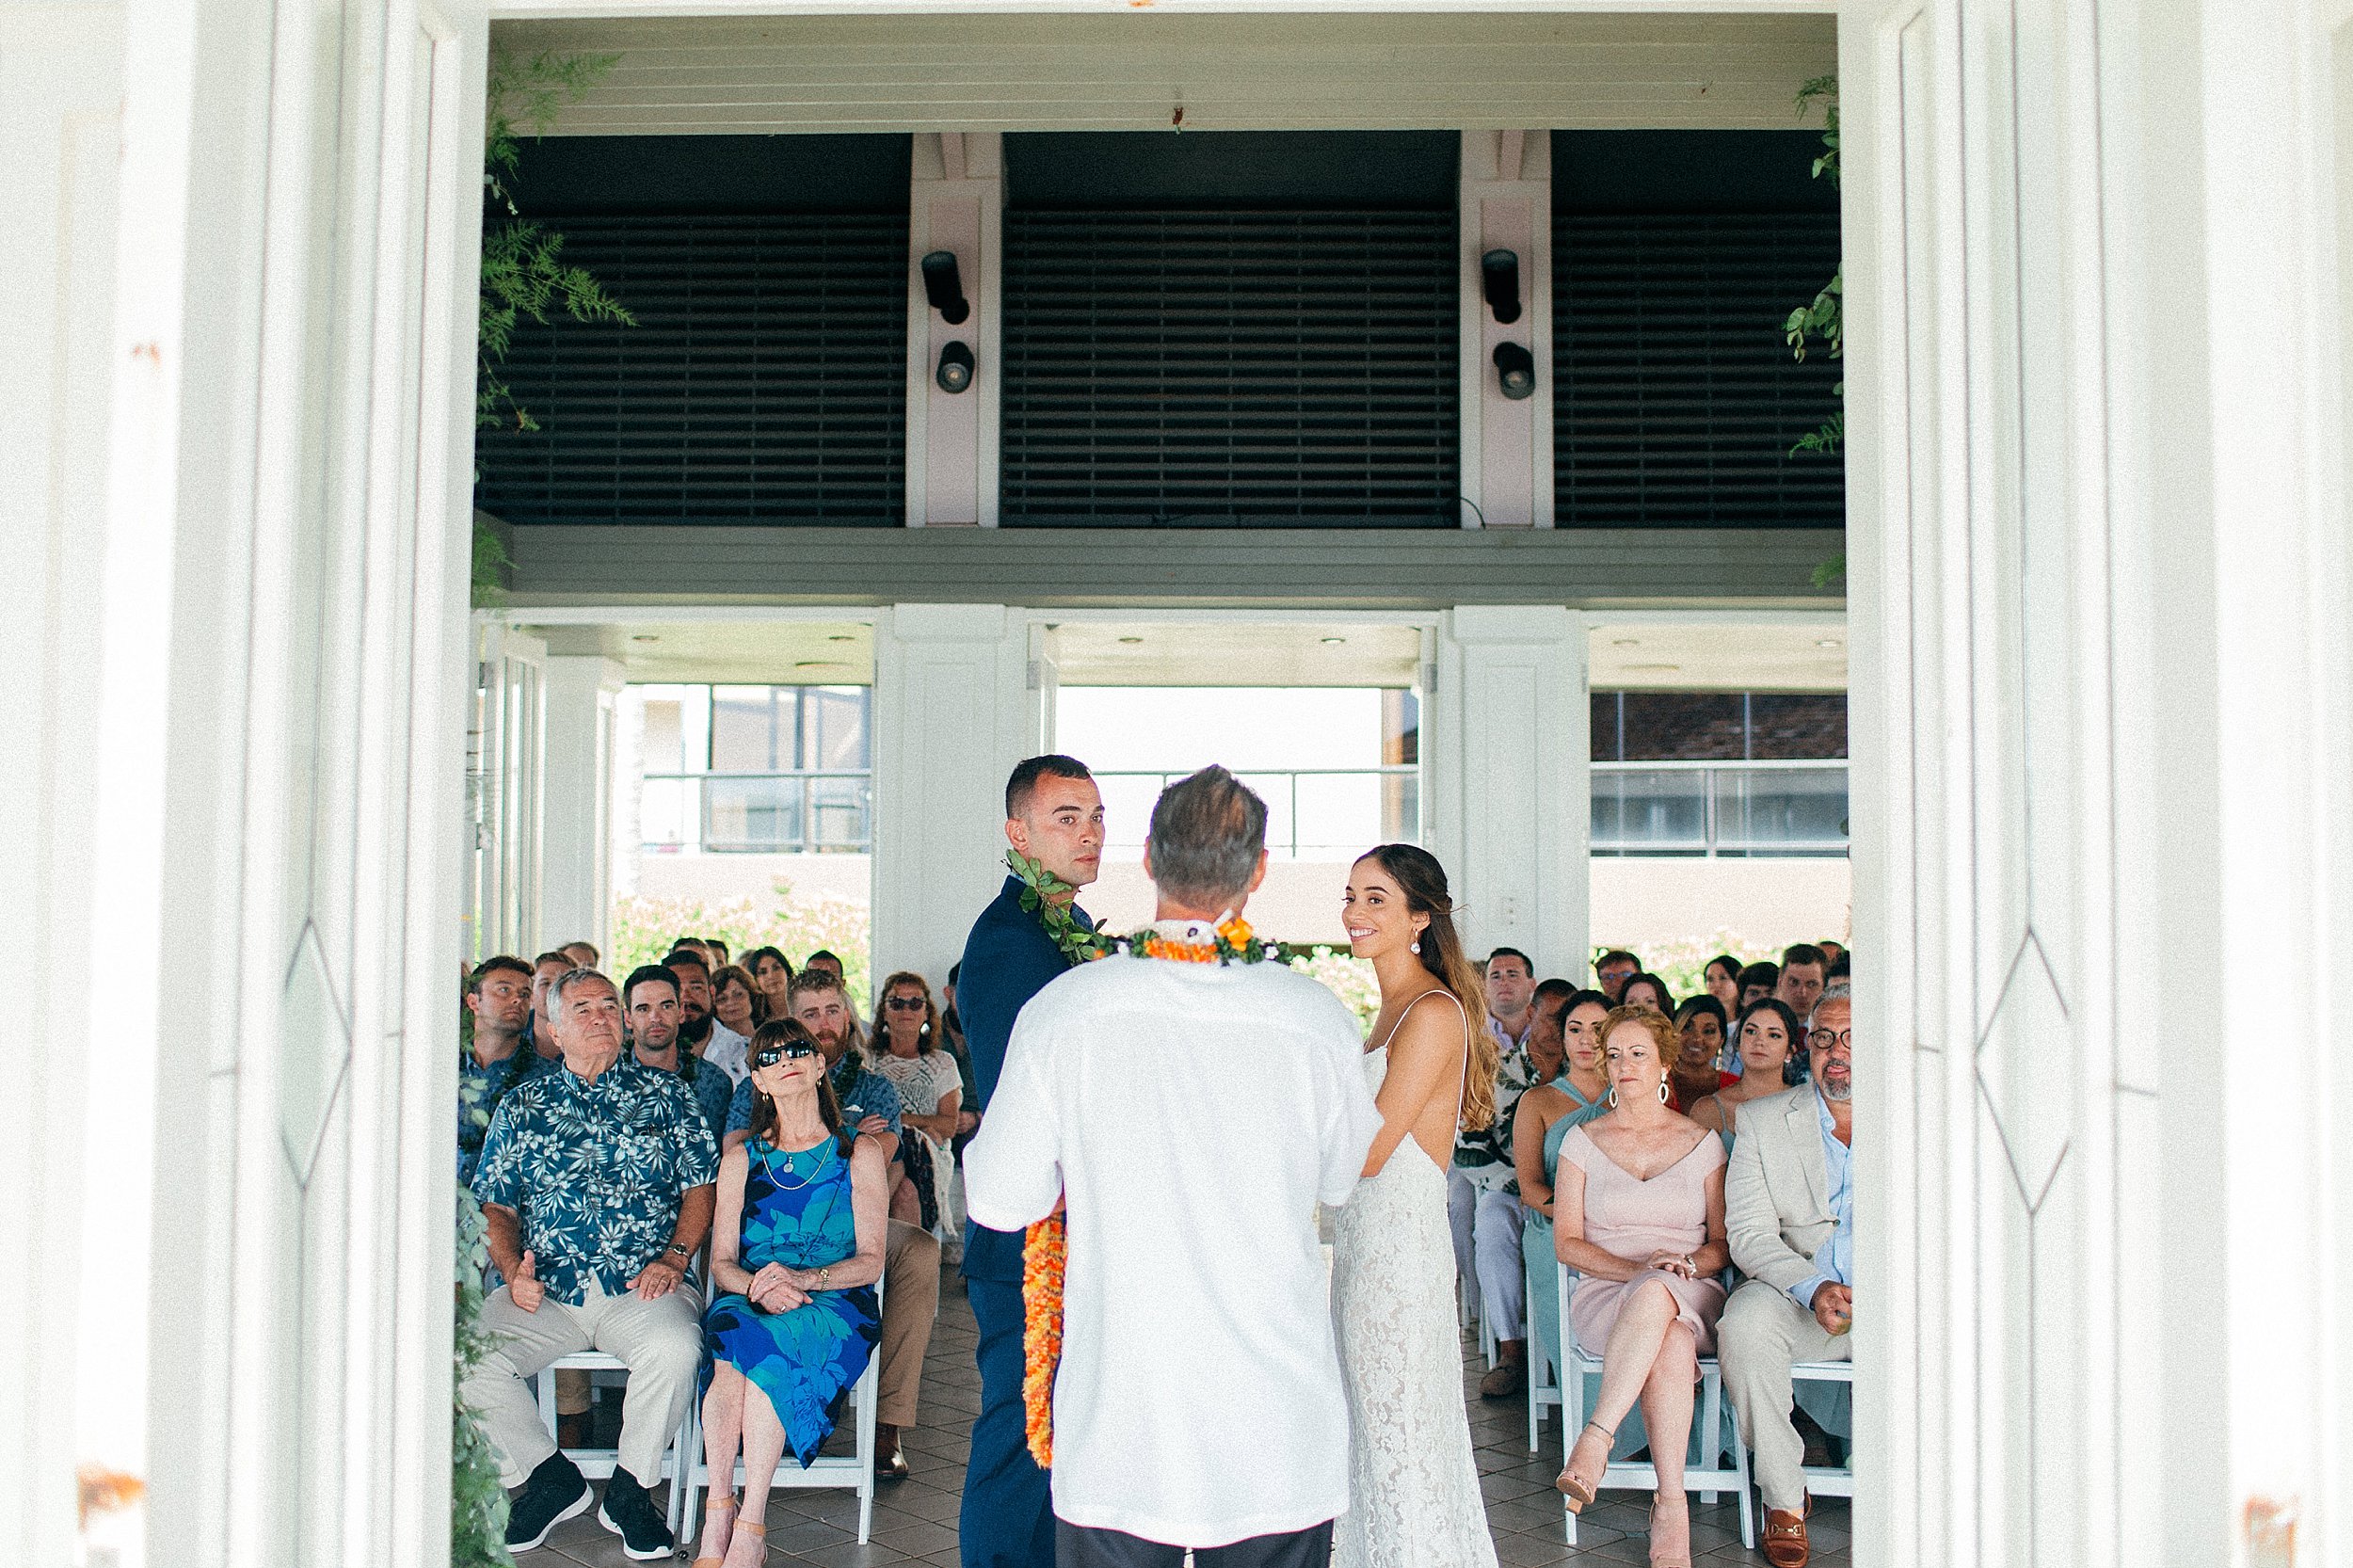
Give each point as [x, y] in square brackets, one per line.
[1790, 1215]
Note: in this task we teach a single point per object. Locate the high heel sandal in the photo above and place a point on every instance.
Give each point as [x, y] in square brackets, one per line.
[1578, 1491]
[1681, 1560]
[732, 1508]
[758, 1533]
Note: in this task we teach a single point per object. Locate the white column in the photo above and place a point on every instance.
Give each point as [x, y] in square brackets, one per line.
[1506, 197]
[957, 205]
[1510, 777]
[575, 874]
[952, 714]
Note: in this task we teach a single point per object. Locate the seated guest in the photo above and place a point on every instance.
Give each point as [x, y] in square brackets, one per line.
[703, 1034]
[1720, 979]
[1573, 1094]
[596, 1184]
[1832, 951]
[651, 994]
[770, 972]
[731, 997]
[1802, 977]
[1756, 983]
[870, 1108]
[1646, 990]
[794, 1256]
[719, 952]
[1790, 1202]
[1763, 1042]
[1639, 1213]
[1483, 1187]
[538, 1032]
[825, 958]
[498, 995]
[931, 1089]
[1840, 968]
[1701, 1024]
[583, 954]
[1613, 970]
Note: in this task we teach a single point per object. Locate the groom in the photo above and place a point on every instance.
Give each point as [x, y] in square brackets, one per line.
[1054, 816]
[1191, 1114]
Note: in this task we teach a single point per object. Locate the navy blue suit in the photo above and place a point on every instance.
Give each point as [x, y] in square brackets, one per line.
[1008, 1516]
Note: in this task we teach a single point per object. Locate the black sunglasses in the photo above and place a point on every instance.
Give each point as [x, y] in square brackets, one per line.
[904, 1004]
[768, 1056]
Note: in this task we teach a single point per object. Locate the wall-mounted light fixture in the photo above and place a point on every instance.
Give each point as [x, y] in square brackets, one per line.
[956, 367]
[1499, 270]
[943, 285]
[1516, 367]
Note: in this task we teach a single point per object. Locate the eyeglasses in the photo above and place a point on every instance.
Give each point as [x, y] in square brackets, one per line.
[768, 1056]
[1824, 1039]
[905, 1004]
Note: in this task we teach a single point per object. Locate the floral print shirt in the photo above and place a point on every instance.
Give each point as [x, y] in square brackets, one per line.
[595, 1171]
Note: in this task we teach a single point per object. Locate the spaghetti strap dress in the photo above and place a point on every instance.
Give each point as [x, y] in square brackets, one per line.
[798, 1213]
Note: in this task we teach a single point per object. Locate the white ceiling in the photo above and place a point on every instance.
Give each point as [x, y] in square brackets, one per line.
[1131, 72]
[1224, 653]
[1808, 655]
[727, 653]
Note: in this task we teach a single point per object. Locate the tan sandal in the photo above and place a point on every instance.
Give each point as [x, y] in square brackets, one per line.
[759, 1552]
[1578, 1491]
[730, 1506]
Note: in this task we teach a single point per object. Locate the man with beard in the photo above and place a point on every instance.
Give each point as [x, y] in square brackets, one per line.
[651, 996]
[1790, 1215]
[911, 1254]
[703, 1034]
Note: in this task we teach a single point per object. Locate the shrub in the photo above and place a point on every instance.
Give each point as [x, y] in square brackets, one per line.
[798, 924]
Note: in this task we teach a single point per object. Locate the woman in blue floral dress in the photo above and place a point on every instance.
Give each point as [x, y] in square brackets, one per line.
[798, 1245]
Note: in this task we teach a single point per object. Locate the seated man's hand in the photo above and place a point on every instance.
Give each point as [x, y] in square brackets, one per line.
[657, 1279]
[1833, 1306]
[873, 1127]
[967, 1121]
[772, 1292]
[525, 1288]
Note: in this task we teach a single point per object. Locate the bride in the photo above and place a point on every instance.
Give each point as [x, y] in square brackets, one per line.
[1413, 1488]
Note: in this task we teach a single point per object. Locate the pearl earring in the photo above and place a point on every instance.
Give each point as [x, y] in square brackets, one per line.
[1415, 948]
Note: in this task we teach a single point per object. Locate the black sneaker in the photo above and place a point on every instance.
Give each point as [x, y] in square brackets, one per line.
[629, 1512]
[555, 1492]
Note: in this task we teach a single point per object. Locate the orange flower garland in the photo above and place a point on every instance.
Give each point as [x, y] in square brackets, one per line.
[1045, 1245]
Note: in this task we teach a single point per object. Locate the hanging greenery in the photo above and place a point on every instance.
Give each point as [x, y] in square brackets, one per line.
[1824, 318]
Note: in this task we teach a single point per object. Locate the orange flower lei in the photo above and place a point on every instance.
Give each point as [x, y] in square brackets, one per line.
[1045, 1245]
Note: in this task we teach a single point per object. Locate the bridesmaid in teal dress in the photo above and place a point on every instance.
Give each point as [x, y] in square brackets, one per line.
[1544, 1117]
[794, 1256]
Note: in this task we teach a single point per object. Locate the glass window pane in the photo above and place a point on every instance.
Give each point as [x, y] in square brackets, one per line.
[1340, 814]
[663, 744]
[756, 814]
[1605, 723]
[1401, 809]
[834, 728]
[662, 808]
[1401, 728]
[1684, 726]
[751, 728]
[1781, 810]
[1281, 823]
[1127, 810]
[837, 815]
[1798, 729]
[1650, 811]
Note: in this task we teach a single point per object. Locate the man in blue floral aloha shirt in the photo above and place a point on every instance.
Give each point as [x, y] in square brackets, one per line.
[597, 1184]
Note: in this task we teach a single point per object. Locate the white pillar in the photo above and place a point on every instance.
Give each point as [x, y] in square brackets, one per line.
[1506, 199]
[1510, 780]
[957, 205]
[952, 714]
[581, 696]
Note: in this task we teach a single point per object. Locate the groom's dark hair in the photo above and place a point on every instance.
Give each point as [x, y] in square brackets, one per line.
[1023, 784]
[1207, 834]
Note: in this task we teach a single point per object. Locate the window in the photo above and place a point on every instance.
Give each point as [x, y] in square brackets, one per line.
[776, 769]
[1718, 773]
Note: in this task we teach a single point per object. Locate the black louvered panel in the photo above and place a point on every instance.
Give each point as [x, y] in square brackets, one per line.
[765, 380]
[1200, 369]
[1677, 400]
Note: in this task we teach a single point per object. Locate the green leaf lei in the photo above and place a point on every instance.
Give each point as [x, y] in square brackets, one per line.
[1048, 897]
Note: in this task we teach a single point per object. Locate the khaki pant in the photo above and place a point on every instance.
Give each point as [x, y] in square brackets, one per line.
[660, 1341]
[910, 1303]
[1762, 1335]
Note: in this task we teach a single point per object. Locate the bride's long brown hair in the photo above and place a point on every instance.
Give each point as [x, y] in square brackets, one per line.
[1422, 880]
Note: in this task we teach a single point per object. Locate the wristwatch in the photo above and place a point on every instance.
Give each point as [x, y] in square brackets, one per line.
[682, 1254]
[824, 1275]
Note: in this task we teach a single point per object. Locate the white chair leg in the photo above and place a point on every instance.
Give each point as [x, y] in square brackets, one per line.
[1711, 1431]
[1748, 1503]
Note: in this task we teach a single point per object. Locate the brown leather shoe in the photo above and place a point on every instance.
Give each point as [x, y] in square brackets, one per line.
[1785, 1545]
[890, 1460]
[1507, 1377]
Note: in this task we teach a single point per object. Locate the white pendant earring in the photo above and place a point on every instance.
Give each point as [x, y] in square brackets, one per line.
[1413, 948]
[1666, 1096]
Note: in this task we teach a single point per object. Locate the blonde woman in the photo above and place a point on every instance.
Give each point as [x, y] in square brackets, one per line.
[1413, 1486]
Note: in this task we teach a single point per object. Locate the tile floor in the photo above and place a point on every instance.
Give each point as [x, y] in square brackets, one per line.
[914, 1520]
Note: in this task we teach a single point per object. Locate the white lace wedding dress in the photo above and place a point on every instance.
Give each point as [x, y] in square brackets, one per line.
[1413, 1487]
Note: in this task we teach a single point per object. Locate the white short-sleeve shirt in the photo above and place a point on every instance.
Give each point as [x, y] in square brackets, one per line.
[1194, 1115]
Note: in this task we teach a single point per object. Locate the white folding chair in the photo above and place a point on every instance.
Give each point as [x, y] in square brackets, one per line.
[1821, 1480]
[1708, 1478]
[844, 1470]
[598, 1464]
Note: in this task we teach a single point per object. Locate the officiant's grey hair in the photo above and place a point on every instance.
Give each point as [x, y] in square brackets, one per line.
[1207, 834]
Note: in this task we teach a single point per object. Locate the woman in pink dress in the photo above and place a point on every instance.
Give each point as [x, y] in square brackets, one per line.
[1639, 1213]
